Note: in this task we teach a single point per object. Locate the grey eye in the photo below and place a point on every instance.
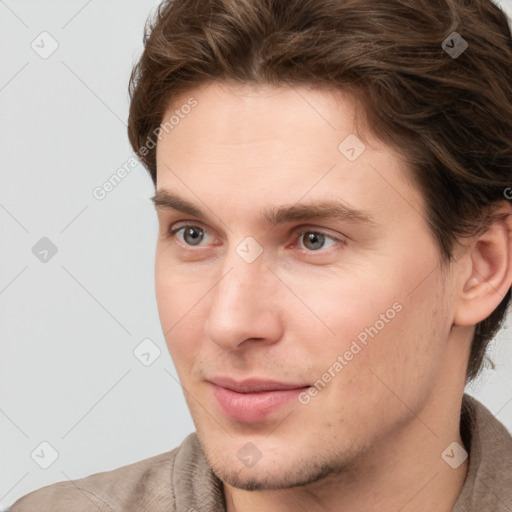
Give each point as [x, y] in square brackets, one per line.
[313, 241]
[192, 235]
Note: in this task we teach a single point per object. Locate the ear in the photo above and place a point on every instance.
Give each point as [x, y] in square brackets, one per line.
[487, 276]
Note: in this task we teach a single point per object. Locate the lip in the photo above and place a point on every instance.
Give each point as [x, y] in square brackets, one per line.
[253, 400]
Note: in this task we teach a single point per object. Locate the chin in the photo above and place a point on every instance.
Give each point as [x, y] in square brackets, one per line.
[270, 477]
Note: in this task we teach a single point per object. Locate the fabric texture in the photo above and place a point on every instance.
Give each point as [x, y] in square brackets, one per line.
[182, 480]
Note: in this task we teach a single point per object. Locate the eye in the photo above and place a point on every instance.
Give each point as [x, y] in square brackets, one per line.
[313, 241]
[309, 241]
[189, 235]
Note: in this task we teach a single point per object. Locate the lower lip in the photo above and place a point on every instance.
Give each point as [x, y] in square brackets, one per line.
[253, 407]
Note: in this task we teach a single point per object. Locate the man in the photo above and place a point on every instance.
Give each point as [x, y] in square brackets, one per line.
[333, 189]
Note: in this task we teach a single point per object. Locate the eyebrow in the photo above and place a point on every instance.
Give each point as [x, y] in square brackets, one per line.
[166, 200]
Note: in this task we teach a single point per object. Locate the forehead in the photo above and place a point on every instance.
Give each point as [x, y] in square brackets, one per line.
[259, 127]
[246, 113]
[239, 139]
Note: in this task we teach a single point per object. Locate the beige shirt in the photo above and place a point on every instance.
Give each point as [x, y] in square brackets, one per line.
[182, 481]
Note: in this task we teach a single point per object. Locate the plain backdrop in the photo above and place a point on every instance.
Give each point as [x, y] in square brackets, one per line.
[76, 278]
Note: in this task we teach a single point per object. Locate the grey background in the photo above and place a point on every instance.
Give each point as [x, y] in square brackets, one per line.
[68, 326]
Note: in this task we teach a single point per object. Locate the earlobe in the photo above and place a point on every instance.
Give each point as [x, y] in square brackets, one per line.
[490, 275]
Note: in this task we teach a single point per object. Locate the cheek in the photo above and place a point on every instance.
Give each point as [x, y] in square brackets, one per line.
[400, 359]
[377, 323]
[344, 304]
[179, 288]
[179, 308]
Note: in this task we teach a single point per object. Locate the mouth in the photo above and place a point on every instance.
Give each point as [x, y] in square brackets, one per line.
[253, 400]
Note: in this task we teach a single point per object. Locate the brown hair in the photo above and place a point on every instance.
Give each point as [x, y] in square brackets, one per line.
[449, 115]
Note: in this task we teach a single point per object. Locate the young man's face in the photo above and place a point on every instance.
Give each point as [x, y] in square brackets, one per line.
[361, 309]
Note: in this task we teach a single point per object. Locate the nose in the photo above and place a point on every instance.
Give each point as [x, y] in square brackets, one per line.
[244, 305]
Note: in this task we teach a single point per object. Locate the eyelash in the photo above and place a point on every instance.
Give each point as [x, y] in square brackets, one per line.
[173, 232]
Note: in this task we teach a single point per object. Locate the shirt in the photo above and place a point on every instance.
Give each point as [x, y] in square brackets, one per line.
[181, 480]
